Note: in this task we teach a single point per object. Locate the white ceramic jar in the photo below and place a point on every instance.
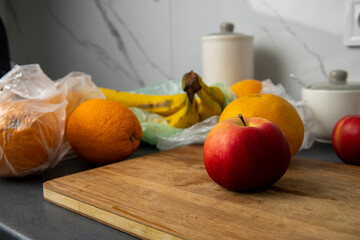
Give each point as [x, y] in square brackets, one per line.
[329, 102]
[227, 57]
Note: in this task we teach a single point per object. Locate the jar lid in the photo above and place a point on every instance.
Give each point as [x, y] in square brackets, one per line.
[337, 81]
[227, 29]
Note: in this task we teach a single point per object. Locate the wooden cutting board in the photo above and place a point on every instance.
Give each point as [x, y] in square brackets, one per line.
[168, 195]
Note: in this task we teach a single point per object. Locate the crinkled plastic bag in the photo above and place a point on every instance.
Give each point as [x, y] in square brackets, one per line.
[195, 134]
[33, 113]
[157, 132]
[153, 126]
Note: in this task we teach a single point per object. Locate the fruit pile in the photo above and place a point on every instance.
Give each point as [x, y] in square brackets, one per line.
[197, 103]
[249, 148]
[258, 148]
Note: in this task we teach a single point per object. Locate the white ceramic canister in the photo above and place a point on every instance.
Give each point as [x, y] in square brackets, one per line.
[331, 101]
[227, 57]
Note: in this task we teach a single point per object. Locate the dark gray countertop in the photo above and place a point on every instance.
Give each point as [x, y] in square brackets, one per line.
[24, 214]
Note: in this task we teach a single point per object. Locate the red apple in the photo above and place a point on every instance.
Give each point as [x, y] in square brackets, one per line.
[246, 154]
[346, 139]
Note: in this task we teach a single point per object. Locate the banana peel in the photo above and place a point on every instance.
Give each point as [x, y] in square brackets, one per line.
[206, 107]
[185, 117]
[164, 105]
[215, 93]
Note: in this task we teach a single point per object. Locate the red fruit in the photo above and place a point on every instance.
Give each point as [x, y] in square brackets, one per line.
[346, 139]
[245, 157]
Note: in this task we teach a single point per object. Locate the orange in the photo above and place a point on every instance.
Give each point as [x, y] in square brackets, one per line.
[271, 107]
[247, 86]
[103, 131]
[29, 138]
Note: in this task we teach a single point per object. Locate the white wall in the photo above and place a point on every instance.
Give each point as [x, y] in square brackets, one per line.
[126, 44]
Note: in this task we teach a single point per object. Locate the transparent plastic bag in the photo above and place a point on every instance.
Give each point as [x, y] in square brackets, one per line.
[33, 113]
[153, 126]
[195, 134]
[157, 132]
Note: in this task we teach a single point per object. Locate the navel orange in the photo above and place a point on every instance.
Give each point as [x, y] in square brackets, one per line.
[271, 107]
[103, 131]
[247, 86]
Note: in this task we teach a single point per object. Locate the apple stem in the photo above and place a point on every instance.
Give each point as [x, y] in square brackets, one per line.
[242, 119]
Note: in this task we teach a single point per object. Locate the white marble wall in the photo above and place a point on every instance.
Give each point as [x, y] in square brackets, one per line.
[126, 44]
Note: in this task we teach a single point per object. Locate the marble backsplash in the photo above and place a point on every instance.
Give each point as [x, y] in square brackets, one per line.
[127, 44]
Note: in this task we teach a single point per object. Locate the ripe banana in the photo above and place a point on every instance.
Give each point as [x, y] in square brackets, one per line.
[164, 105]
[206, 107]
[185, 117]
[215, 93]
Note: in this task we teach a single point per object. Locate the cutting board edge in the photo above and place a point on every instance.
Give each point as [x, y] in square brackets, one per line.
[116, 221]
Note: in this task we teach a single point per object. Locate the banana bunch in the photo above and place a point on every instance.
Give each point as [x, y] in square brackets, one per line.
[180, 110]
[210, 99]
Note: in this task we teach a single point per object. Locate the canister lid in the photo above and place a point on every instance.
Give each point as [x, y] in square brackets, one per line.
[337, 81]
[227, 29]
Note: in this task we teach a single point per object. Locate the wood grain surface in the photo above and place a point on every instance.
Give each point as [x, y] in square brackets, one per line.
[168, 195]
